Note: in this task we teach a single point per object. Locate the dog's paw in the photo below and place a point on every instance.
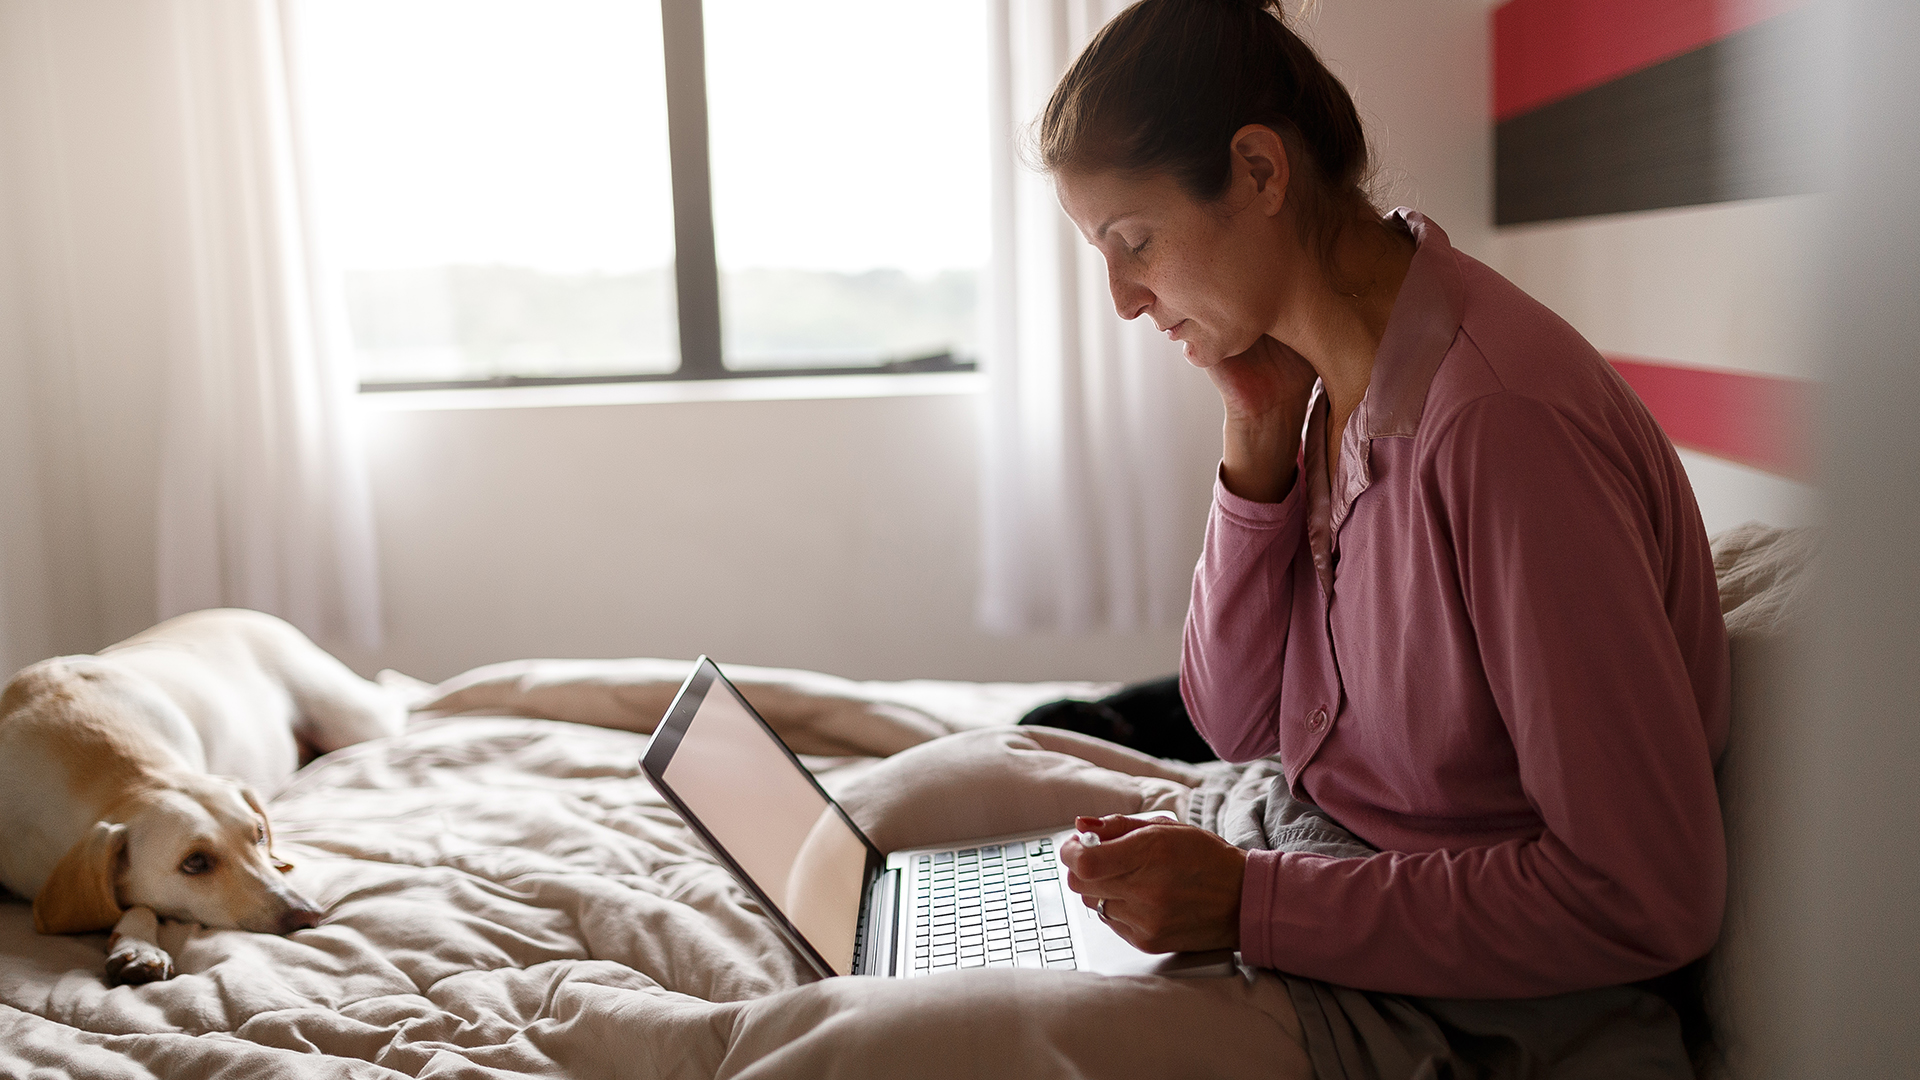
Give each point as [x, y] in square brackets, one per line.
[134, 962]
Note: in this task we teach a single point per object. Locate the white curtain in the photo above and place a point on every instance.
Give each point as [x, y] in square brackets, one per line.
[263, 498]
[1089, 476]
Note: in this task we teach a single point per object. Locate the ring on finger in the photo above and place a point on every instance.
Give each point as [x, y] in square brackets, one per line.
[1100, 908]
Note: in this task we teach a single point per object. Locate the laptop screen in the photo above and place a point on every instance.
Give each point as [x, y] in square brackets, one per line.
[767, 813]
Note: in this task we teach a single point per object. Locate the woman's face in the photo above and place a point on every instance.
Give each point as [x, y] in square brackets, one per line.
[1211, 276]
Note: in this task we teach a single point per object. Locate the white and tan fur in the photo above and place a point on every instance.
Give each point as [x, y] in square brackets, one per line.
[128, 779]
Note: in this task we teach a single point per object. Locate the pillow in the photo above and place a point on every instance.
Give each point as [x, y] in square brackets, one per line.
[1762, 575]
[815, 713]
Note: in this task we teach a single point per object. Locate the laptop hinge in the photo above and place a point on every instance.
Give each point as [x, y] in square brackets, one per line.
[876, 951]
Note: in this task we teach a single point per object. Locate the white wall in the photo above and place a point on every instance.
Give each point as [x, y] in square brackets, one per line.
[1419, 74]
[840, 534]
[23, 600]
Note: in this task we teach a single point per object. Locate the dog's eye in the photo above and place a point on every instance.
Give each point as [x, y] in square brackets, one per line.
[259, 834]
[196, 863]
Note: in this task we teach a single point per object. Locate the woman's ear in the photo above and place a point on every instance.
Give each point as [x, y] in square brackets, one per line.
[79, 897]
[1261, 155]
[266, 826]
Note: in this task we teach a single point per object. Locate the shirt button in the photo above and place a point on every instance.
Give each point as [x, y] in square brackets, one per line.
[1318, 720]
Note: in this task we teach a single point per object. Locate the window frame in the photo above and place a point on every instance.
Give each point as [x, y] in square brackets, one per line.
[696, 268]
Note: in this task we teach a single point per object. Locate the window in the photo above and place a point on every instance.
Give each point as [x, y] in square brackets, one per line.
[558, 191]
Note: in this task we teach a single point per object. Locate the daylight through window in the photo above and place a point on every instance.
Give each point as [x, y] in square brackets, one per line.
[497, 183]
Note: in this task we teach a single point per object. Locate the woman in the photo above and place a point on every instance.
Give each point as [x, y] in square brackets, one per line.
[1472, 611]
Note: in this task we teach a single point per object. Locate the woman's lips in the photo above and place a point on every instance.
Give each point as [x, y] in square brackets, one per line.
[1173, 332]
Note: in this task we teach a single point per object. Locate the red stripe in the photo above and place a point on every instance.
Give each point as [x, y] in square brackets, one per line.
[1762, 421]
[1546, 50]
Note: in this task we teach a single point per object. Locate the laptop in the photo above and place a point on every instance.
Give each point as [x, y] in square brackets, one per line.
[846, 907]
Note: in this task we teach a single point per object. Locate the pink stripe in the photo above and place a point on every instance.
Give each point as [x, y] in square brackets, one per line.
[1762, 421]
[1546, 50]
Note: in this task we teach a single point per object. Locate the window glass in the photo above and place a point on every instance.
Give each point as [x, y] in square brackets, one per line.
[493, 179]
[848, 148]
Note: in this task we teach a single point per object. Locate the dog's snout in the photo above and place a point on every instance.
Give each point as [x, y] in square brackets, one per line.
[299, 918]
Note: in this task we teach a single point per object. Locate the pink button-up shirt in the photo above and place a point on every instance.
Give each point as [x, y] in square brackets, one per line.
[1492, 648]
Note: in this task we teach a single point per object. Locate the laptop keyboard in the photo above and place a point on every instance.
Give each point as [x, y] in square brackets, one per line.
[997, 905]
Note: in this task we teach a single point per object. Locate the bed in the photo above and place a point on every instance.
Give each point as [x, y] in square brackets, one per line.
[508, 897]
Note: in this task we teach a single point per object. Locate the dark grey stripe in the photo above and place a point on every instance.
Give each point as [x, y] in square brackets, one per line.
[1741, 118]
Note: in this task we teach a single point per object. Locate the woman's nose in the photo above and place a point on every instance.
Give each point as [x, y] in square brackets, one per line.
[1130, 298]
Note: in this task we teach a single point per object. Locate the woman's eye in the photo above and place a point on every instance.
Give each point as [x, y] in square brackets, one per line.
[1141, 246]
[196, 863]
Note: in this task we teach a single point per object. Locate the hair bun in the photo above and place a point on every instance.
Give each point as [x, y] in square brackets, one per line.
[1278, 8]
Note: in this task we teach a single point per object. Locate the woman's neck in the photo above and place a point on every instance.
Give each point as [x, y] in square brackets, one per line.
[1336, 320]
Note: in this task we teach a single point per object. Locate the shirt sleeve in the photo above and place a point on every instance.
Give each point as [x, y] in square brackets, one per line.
[1564, 582]
[1236, 633]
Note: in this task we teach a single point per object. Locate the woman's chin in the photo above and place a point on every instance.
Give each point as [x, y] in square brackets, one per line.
[1199, 355]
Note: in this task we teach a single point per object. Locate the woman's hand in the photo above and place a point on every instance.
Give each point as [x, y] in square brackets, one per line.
[1168, 887]
[1268, 380]
[1265, 391]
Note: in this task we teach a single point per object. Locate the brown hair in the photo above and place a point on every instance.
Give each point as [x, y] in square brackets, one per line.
[1164, 86]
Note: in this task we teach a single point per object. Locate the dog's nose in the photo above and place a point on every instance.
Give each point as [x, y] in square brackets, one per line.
[299, 918]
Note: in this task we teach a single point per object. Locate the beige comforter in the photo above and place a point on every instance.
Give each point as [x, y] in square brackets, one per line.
[508, 897]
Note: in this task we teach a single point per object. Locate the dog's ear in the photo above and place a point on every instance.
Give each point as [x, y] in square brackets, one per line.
[79, 897]
[266, 826]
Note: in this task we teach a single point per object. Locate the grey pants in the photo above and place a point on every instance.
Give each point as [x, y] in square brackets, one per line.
[1606, 1034]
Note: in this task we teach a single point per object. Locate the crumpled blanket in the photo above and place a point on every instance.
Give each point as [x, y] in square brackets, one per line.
[508, 897]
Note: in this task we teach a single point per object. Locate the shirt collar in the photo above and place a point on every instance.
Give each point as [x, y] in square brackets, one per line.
[1425, 319]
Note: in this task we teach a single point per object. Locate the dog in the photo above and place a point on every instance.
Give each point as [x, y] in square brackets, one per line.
[129, 779]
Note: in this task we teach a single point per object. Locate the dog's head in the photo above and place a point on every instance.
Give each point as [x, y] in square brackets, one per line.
[199, 850]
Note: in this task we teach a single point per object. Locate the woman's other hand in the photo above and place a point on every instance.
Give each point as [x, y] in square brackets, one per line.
[1265, 391]
[1167, 887]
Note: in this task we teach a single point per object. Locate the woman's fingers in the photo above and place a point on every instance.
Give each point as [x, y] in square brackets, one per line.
[1167, 887]
[1113, 826]
[1104, 869]
[1269, 379]
[1099, 860]
[1265, 391]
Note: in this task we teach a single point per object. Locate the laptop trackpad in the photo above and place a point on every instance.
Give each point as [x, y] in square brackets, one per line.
[1109, 954]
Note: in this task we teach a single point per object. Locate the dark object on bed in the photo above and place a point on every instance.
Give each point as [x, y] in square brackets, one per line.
[1149, 717]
